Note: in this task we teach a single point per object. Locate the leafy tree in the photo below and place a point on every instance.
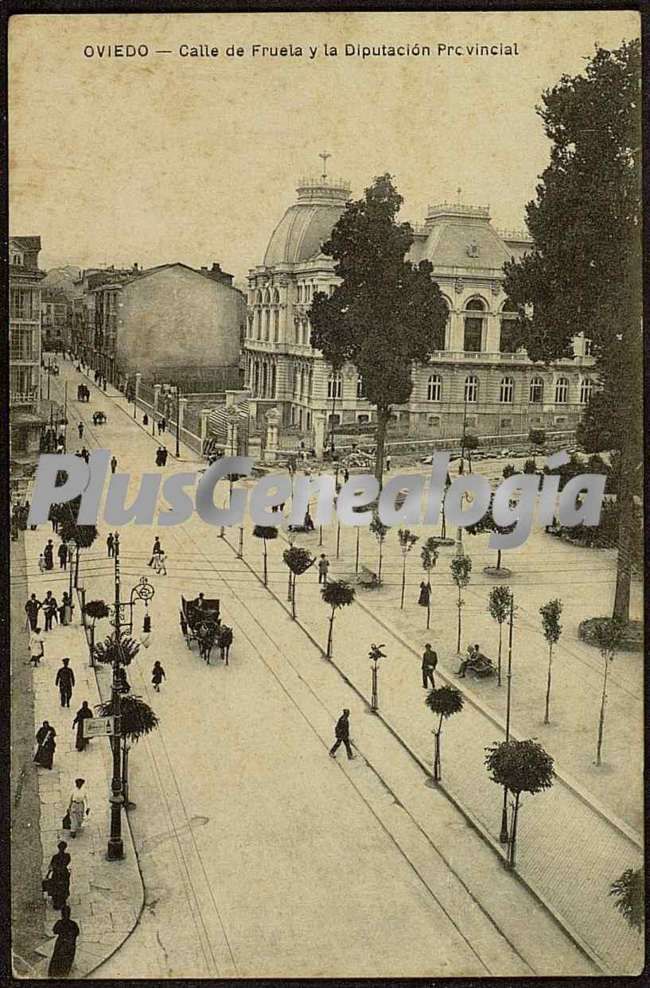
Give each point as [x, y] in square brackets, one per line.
[499, 605]
[380, 531]
[509, 470]
[429, 556]
[406, 541]
[537, 437]
[487, 524]
[266, 533]
[552, 628]
[70, 530]
[470, 442]
[583, 274]
[95, 610]
[120, 650]
[461, 568]
[336, 594]
[530, 466]
[137, 719]
[298, 561]
[387, 312]
[608, 636]
[444, 702]
[629, 891]
[519, 766]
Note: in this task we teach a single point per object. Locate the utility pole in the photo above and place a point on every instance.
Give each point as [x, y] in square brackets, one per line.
[65, 413]
[178, 422]
[503, 836]
[115, 850]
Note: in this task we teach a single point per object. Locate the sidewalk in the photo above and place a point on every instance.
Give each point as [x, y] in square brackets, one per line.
[568, 851]
[106, 897]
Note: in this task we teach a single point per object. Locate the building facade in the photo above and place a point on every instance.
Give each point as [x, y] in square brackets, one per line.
[475, 381]
[170, 323]
[26, 423]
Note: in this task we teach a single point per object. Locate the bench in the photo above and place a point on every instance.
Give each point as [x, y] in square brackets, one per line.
[367, 578]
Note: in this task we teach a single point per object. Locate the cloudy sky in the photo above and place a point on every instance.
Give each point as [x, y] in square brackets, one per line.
[169, 158]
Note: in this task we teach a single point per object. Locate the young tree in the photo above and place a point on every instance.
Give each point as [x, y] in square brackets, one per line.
[266, 533]
[471, 442]
[629, 892]
[519, 766]
[298, 561]
[429, 556]
[499, 604]
[552, 628]
[443, 702]
[336, 594]
[95, 610]
[607, 635]
[461, 568]
[537, 437]
[583, 274]
[487, 525]
[137, 720]
[69, 530]
[121, 650]
[380, 531]
[387, 312]
[406, 541]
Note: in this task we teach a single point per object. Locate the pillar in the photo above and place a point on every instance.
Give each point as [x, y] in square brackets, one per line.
[272, 435]
[156, 397]
[182, 402]
[203, 425]
[318, 419]
[232, 423]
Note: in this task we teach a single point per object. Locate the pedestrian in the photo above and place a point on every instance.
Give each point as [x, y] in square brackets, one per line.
[85, 454]
[157, 675]
[41, 562]
[158, 457]
[342, 734]
[323, 568]
[110, 545]
[346, 475]
[308, 523]
[145, 419]
[113, 464]
[80, 430]
[36, 647]
[57, 879]
[155, 550]
[78, 808]
[429, 663]
[163, 455]
[65, 610]
[388, 463]
[45, 745]
[66, 932]
[425, 594]
[48, 553]
[65, 681]
[159, 563]
[50, 610]
[162, 425]
[62, 553]
[32, 607]
[82, 714]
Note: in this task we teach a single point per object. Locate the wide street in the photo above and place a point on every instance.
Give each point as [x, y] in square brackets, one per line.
[259, 854]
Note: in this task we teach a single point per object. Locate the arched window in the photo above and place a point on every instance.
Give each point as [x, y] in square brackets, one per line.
[267, 324]
[471, 389]
[473, 326]
[276, 296]
[276, 326]
[267, 297]
[259, 298]
[561, 391]
[298, 382]
[258, 324]
[509, 332]
[434, 388]
[586, 390]
[507, 391]
[299, 297]
[536, 390]
[334, 386]
[273, 381]
[360, 391]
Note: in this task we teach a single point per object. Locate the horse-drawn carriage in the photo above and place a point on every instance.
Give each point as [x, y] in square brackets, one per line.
[200, 622]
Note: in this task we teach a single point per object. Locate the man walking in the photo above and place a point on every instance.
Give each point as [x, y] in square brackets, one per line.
[80, 429]
[110, 545]
[323, 568]
[65, 681]
[113, 463]
[342, 734]
[32, 607]
[429, 663]
[50, 610]
[62, 553]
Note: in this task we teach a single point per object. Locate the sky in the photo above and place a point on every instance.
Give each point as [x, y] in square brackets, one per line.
[166, 158]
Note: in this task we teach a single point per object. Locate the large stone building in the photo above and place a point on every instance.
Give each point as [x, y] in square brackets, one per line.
[26, 422]
[170, 323]
[474, 380]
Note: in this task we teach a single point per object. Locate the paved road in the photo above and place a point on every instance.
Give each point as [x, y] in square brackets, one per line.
[261, 856]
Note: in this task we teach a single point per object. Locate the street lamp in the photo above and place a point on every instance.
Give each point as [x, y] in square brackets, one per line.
[503, 836]
[375, 654]
[143, 590]
[115, 850]
[72, 545]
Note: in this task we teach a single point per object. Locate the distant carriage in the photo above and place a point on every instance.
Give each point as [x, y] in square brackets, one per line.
[201, 623]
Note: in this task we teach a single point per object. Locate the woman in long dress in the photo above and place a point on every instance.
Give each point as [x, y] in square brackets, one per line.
[59, 876]
[78, 806]
[82, 714]
[45, 745]
[66, 931]
[65, 610]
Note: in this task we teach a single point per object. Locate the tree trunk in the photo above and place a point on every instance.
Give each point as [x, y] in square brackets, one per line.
[403, 583]
[499, 654]
[459, 605]
[548, 684]
[329, 635]
[383, 415]
[625, 501]
[293, 598]
[443, 528]
[265, 569]
[437, 771]
[513, 833]
[76, 572]
[381, 547]
[498, 558]
[429, 601]
[125, 773]
[356, 555]
[601, 719]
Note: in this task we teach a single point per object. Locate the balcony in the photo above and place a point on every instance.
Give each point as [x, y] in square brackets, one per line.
[18, 398]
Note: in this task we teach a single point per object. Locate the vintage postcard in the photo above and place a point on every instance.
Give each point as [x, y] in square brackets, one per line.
[326, 525]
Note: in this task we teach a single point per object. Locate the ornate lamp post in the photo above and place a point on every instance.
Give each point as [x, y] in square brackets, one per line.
[503, 836]
[375, 654]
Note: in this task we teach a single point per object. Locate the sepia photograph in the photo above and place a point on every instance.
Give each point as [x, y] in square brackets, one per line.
[326, 482]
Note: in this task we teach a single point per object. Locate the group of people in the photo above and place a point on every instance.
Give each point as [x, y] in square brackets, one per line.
[158, 561]
[52, 611]
[161, 456]
[83, 392]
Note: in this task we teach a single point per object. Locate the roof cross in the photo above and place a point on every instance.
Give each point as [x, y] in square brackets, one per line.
[324, 155]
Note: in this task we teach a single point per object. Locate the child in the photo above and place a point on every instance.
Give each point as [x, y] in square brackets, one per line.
[157, 675]
[159, 563]
[41, 563]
